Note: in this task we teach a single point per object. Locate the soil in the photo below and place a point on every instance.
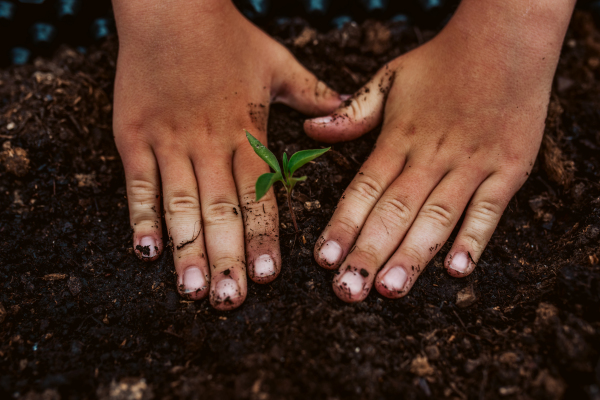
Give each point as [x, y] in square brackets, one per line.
[82, 317]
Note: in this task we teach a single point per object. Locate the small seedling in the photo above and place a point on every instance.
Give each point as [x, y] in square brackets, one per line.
[285, 175]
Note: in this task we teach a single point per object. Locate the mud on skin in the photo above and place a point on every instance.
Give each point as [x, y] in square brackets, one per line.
[79, 309]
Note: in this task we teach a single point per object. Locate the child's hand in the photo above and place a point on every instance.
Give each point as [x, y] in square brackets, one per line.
[463, 117]
[190, 77]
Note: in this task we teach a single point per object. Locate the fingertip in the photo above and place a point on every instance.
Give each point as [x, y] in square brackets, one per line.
[350, 285]
[333, 128]
[226, 293]
[193, 283]
[265, 268]
[459, 263]
[147, 247]
[328, 254]
[393, 282]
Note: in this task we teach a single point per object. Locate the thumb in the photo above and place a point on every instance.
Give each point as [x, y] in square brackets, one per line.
[295, 86]
[356, 115]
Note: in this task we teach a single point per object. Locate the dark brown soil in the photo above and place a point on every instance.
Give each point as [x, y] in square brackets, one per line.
[79, 310]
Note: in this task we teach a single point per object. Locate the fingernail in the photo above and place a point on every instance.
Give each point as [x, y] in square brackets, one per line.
[344, 97]
[264, 266]
[193, 280]
[460, 262]
[331, 252]
[395, 279]
[353, 282]
[227, 289]
[322, 120]
[147, 247]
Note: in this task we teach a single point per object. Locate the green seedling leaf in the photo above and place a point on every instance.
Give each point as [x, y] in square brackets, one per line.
[263, 152]
[302, 157]
[293, 181]
[286, 171]
[264, 183]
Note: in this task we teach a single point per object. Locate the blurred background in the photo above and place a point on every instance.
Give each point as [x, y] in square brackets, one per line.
[30, 28]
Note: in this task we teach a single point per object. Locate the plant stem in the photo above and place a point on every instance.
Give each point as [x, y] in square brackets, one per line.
[289, 198]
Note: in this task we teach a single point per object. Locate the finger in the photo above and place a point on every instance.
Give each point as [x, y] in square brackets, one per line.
[384, 230]
[143, 196]
[261, 219]
[223, 230]
[430, 230]
[295, 86]
[481, 218]
[184, 224]
[376, 174]
[357, 115]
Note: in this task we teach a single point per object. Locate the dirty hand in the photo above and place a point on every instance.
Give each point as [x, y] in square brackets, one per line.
[463, 118]
[190, 77]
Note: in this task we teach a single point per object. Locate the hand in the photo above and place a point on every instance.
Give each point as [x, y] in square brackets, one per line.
[463, 117]
[190, 77]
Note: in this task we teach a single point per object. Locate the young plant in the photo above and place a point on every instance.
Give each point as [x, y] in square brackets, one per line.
[283, 175]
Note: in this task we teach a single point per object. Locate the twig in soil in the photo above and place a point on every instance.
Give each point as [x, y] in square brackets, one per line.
[461, 321]
[483, 384]
[99, 248]
[552, 191]
[81, 324]
[173, 333]
[458, 392]
[74, 121]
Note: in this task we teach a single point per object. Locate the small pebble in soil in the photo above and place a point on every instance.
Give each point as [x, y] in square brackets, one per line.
[74, 285]
[14, 159]
[312, 205]
[466, 297]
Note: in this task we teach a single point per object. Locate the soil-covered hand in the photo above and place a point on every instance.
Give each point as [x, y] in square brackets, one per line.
[190, 77]
[463, 118]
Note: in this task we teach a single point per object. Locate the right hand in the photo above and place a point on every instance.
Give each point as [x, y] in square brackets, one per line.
[190, 77]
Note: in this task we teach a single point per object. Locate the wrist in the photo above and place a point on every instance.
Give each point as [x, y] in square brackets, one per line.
[525, 27]
[147, 20]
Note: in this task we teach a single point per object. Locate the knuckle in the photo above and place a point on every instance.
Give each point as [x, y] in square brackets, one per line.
[486, 211]
[416, 256]
[355, 109]
[367, 255]
[484, 216]
[396, 211]
[248, 197]
[476, 238]
[346, 225]
[140, 189]
[226, 261]
[441, 214]
[366, 188]
[182, 204]
[130, 133]
[321, 90]
[220, 212]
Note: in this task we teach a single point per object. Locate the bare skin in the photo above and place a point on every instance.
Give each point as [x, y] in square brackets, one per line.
[463, 118]
[190, 77]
